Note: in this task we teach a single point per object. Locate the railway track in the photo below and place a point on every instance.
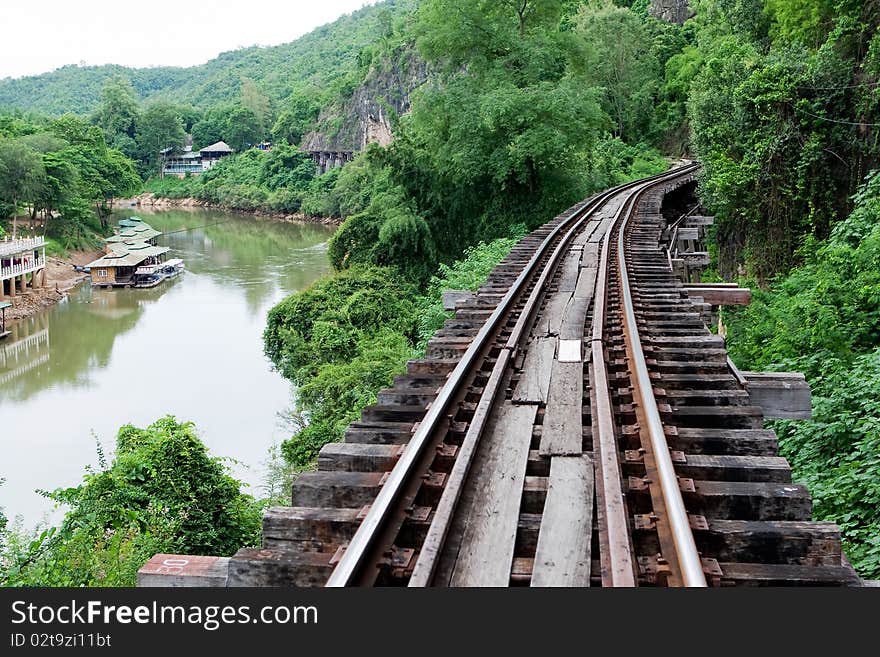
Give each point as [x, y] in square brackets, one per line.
[575, 424]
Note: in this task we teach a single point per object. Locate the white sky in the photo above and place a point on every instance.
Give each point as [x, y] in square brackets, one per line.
[41, 35]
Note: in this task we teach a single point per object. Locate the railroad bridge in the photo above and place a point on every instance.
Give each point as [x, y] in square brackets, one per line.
[576, 423]
[326, 160]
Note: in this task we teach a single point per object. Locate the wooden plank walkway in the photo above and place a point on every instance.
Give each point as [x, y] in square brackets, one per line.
[563, 553]
[490, 516]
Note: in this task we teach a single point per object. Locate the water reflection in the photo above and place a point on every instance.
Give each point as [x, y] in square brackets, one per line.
[25, 350]
[87, 324]
[190, 347]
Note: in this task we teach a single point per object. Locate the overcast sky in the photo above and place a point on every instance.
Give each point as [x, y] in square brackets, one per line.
[42, 35]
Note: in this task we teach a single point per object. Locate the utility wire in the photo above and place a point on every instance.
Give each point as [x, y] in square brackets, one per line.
[849, 86]
[841, 121]
[184, 230]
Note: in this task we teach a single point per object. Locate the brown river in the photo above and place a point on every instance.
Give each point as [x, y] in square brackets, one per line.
[192, 347]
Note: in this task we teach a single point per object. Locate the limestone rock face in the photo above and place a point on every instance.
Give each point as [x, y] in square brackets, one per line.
[367, 116]
[673, 11]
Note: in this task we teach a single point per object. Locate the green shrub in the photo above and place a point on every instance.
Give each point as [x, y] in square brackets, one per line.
[823, 319]
[326, 323]
[345, 338]
[161, 493]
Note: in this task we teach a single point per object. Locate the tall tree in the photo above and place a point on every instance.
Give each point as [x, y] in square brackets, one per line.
[615, 58]
[21, 175]
[119, 111]
[243, 128]
[160, 127]
[257, 102]
[300, 116]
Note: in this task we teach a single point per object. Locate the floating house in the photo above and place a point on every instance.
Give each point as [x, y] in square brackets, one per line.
[118, 267]
[144, 233]
[22, 262]
[193, 162]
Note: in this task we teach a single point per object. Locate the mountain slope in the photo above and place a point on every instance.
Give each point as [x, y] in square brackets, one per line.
[326, 57]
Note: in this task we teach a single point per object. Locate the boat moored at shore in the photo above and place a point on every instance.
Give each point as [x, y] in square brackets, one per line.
[133, 259]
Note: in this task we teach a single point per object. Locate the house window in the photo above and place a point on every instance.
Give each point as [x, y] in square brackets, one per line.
[102, 273]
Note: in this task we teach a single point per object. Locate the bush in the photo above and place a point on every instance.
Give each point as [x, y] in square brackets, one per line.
[388, 233]
[326, 323]
[345, 338]
[162, 493]
[285, 200]
[823, 319]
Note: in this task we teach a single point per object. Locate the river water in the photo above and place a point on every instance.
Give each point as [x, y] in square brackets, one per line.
[192, 347]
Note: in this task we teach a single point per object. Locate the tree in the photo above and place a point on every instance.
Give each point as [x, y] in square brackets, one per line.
[163, 492]
[477, 33]
[615, 59]
[119, 111]
[160, 127]
[297, 119]
[244, 128]
[212, 127]
[257, 102]
[60, 185]
[21, 175]
[284, 166]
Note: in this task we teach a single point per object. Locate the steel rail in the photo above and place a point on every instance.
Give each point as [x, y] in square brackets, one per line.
[619, 571]
[687, 557]
[429, 555]
[354, 556]
[362, 543]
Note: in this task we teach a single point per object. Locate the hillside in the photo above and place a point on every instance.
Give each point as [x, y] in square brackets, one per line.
[326, 58]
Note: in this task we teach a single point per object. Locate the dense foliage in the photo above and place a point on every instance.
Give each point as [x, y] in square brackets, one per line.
[824, 319]
[345, 338]
[510, 128]
[63, 175]
[161, 493]
[341, 341]
[784, 109]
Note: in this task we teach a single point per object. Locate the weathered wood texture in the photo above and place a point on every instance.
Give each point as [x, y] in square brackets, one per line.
[563, 427]
[721, 296]
[562, 557]
[489, 515]
[176, 570]
[570, 270]
[534, 382]
[782, 395]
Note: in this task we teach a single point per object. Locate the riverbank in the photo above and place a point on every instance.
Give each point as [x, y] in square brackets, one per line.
[151, 201]
[61, 278]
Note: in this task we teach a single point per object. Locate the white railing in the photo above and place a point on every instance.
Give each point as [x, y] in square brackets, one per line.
[21, 268]
[11, 247]
[24, 369]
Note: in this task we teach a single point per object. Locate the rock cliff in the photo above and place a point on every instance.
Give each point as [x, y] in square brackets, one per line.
[674, 11]
[368, 115]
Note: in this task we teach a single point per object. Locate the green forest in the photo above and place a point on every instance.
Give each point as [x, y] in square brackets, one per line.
[527, 108]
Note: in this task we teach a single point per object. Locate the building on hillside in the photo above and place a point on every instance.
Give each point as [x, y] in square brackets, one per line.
[188, 161]
[22, 262]
[117, 268]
